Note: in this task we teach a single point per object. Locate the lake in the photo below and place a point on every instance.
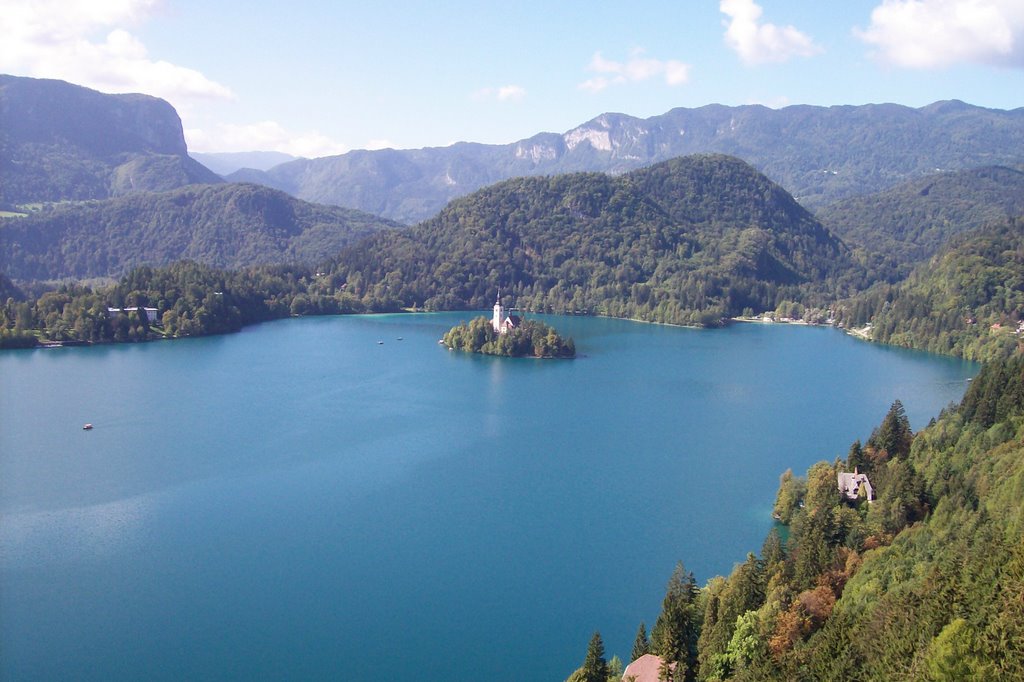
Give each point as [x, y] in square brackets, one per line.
[300, 501]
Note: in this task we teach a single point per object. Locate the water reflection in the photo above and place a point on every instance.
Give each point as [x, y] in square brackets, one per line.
[72, 536]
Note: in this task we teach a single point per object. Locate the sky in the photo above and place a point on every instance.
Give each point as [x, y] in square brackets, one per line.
[321, 77]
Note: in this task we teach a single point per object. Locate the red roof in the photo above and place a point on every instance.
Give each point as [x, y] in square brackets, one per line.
[644, 669]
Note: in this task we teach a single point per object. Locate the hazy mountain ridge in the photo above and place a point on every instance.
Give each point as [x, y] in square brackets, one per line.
[225, 163]
[60, 141]
[912, 221]
[820, 154]
[225, 225]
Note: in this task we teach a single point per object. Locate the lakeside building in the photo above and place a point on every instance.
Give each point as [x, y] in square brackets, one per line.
[150, 313]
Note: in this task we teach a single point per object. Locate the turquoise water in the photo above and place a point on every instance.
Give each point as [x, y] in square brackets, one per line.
[299, 501]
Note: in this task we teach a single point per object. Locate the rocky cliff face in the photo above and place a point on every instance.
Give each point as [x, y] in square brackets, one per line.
[37, 111]
[61, 141]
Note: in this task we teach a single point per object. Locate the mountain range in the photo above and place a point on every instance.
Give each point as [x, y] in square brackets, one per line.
[688, 240]
[819, 154]
[225, 163]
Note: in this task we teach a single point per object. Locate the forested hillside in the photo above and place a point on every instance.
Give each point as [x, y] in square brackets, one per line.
[687, 241]
[967, 300]
[819, 154]
[190, 299]
[60, 141]
[904, 225]
[226, 226]
[924, 582]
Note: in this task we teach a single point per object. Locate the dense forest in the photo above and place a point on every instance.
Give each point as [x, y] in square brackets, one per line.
[924, 581]
[689, 241]
[896, 229]
[967, 300]
[226, 226]
[529, 338]
[190, 300]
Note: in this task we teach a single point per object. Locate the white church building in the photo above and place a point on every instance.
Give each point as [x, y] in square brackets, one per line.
[502, 321]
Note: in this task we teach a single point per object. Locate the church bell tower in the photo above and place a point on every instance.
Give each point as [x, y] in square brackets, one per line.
[499, 314]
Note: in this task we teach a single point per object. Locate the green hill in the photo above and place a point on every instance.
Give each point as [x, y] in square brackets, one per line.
[60, 141]
[226, 226]
[686, 241]
[911, 222]
[966, 300]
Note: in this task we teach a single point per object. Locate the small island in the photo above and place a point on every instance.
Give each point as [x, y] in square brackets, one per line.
[510, 336]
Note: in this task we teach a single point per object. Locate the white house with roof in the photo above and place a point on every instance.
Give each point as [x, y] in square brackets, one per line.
[849, 485]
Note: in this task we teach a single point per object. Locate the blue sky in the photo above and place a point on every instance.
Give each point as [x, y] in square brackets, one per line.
[318, 78]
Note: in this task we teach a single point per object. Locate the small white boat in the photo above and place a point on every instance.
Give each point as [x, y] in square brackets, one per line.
[87, 427]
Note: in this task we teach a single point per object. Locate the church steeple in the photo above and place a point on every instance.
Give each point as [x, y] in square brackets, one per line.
[499, 314]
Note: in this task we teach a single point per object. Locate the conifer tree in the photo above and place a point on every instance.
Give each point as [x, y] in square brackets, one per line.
[893, 435]
[595, 668]
[772, 551]
[677, 629]
[641, 645]
[855, 459]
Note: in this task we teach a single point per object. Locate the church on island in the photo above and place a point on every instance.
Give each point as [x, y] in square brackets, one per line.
[503, 322]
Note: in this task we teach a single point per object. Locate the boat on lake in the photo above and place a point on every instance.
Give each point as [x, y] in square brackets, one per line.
[87, 427]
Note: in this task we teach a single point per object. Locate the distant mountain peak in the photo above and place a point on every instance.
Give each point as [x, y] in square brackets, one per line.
[820, 154]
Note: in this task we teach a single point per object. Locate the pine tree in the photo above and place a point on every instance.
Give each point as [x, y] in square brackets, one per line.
[893, 435]
[641, 645]
[595, 668]
[855, 459]
[677, 629]
[772, 551]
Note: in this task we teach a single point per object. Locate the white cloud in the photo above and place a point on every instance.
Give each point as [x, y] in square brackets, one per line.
[637, 68]
[268, 136]
[758, 43]
[924, 34]
[504, 93]
[87, 42]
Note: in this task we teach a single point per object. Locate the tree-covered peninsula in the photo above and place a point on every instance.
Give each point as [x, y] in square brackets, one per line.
[530, 338]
